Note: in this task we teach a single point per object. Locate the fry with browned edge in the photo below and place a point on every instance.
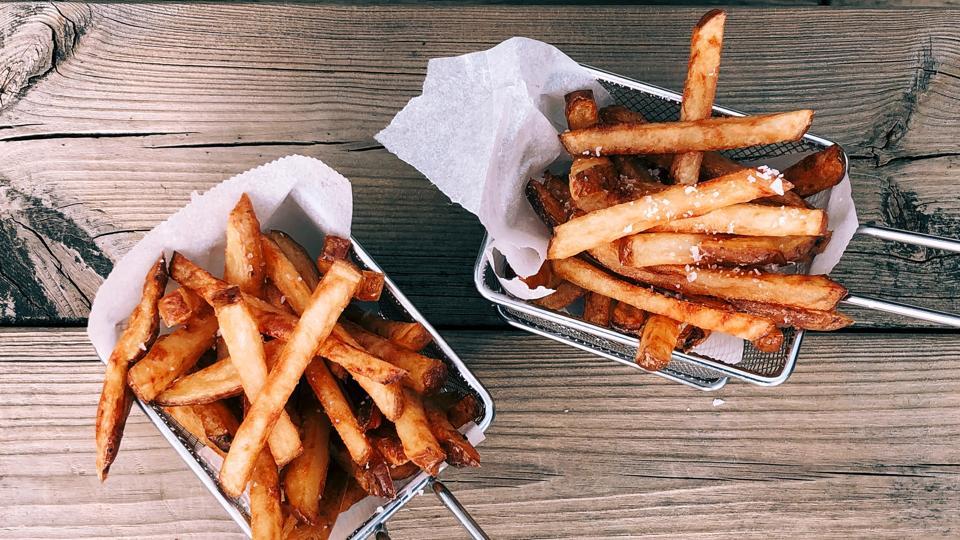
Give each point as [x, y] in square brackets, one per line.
[219, 424]
[652, 249]
[178, 306]
[214, 382]
[627, 318]
[266, 517]
[700, 88]
[657, 342]
[424, 374]
[565, 293]
[808, 319]
[817, 172]
[409, 335]
[338, 410]
[374, 477]
[304, 477]
[115, 398]
[752, 220]
[298, 256]
[596, 309]
[243, 262]
[419, 444]
[460, 453]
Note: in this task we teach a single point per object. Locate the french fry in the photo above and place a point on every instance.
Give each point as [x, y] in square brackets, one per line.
[178, 306]
[808, 319]
[787, 199]
[336, 247]
[214, 382]
[352, 495]
[190, 421]
[273, 296]
[266, 517]
[401, 472]
[584, 232]
[752, 220]
[424, 374]
[592, 181]
[581, 109]
[115, 398]
[467, 409]
[700, 87]
[298, 256]
[285, 276]
[762, 332]
[338, 410]
[388, 397]
[419, 444]
[374, 477]
[566, 293]
[358, 362]
[409, 335]
[715, 165]
[329, 509]
[369, 416]
[543, 197]
[459, 451]
[390, 448]
[243, 264]
[219, 424]
[172, 355]
[657, 342]
[371, 283]
[817, 172]
[652, 249]
[596, 309]
[242, 335]
[612, 115]
[304, 477]
[690, 136]
[627, 318]
[690, 337]
[809, 292]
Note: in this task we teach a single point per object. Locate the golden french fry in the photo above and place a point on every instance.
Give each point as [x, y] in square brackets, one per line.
[266, 516]
[424, 374]
[596, 309]
[374, 477]
[808, 319]
[329, 509]
[700, 87]
[752, 220]
[285, 276]
[565, 294]
[419, 444]
[809, 292]
[338, 410]
[409, 335]
[190, 421]
[584, 232]
[460, 453]
[817, 172]
[762, 332]
[304, 477]
[172, 355]
[369, 415]
[627, 318]
[652, 249]
[371, 283]
[581, 109]
[219, 424]
[612, 115]
[593, 183]
[657, 342]
[273, 296]
[115, 398]
[298, 256]
[358, 362]
[390, 448]
[467, 409]
[243, 264]
[178, 306]
[690, 136]
[388, 397]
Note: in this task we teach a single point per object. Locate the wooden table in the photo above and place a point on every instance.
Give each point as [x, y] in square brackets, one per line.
[110, 116]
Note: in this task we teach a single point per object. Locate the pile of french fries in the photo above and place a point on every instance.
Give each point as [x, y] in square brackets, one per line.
[313, 402]
[668, 239]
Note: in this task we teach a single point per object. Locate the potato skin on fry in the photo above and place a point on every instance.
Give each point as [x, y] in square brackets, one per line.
[817, 172]
[657, 342]
[305, 476]
[243, 265]
[424, 374]
[419, 443]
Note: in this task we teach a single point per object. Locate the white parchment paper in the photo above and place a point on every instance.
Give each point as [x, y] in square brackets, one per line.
[487, 122]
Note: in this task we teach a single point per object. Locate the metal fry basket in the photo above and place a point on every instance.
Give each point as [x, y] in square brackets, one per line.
[392, 304]
[696, 370]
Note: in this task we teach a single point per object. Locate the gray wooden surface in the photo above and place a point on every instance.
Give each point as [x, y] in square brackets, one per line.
[111, 115]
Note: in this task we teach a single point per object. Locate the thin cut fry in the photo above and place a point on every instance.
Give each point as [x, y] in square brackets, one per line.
[565, 294]
[627, 318]
[652, 249]
[266, 517]
[808, 319]
[188, 420]
[692, 136]
[219, 424]
[424, 374]
[700, 88]
[388, 397]
[178, 306]
[337, 408]
[172, 355]
[369, 415]
[329, 509]
[284, 275]
[115, 398]
[584, 232]
[715, 165]
[298, 256]
[657, 342]
[358, 362]
[592, 182]
[460, 453]
[546, 204]
[810, 292]
[817, 172]
[419, 444]
[390, 448]
[409, 335]
[305, 476]
[374, 477]
[243, 262]
[596, 309]
[762, 332]
[752, 220]
[371, 283]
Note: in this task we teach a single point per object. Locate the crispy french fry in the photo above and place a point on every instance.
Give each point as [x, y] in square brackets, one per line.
[566, 293]
[285, 276]
[336, 247]
[809, 292]
[273, 296]
[243, 264]
[581, 109]
[787, 199]
[115, 398]
[219, 424]
[690, 136]
[752, 220]
[178, 306]
[652, 249]
[369, 416]
[612, 115]
[419, 444]
[700, 87]
[329, 509]
[172, 355]
[690, 337]
[242, 335]
[715, 165]
[545, 202]
[596, 309]
[390, 448]
[409, 335]
[401, 472]
[338, 410]
[327, 302]
[627, 318]
[657, 342]
[266, 517]
[371, 283]
[460, 453]
[762, 332]
[424, 374]
[592, 181]
[388, 397]
[817, 172]
[808, 319]
[304, 477]
[298, 256]
[214, 382]
[374, 477]
[358, 362]
[190, 421]
[467, 409]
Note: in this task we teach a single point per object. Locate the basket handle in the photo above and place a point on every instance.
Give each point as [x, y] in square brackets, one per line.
[908, 237]
[458, 511]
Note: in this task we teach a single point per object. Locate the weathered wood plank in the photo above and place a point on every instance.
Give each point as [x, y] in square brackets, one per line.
[150, 103]
[861, 441]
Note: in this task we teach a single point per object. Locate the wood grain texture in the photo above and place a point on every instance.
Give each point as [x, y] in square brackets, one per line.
[136, 106]
[860, 442]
